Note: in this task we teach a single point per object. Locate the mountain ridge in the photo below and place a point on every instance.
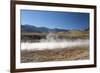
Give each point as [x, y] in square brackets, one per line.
[32, 28]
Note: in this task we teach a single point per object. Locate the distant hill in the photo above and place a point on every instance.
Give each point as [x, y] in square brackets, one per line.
[31, 28]
[87, 29]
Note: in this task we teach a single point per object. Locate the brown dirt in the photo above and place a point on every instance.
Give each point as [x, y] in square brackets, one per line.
[66, 54]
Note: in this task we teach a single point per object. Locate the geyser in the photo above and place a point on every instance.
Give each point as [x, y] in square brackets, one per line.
[53, 42]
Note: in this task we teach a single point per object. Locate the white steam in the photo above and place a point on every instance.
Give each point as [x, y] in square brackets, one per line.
[52, 42]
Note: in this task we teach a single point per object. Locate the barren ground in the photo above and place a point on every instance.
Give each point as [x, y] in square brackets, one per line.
[76, 53]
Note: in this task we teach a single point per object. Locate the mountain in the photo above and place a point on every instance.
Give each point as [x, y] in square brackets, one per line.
[31, 28]
[87, 29]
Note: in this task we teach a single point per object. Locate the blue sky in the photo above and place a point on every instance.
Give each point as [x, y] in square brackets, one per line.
[55, 19]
